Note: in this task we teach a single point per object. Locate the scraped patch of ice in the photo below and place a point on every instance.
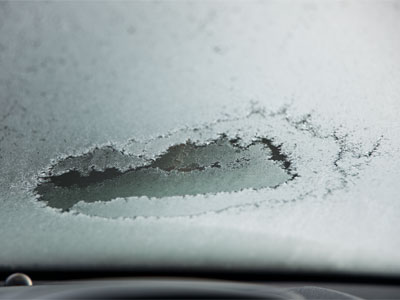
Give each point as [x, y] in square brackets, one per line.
[225, 157]
[222, 165]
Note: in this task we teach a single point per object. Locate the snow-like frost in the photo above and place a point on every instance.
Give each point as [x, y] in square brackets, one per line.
[320, 79]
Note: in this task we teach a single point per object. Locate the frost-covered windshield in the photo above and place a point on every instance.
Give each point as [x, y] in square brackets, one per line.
[224, 134]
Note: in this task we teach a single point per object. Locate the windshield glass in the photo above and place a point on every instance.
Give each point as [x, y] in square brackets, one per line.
[224, 134]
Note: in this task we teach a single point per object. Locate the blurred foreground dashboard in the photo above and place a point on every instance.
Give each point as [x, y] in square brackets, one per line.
[191, 288]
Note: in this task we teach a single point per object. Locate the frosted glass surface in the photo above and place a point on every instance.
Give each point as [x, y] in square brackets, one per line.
[257, 134]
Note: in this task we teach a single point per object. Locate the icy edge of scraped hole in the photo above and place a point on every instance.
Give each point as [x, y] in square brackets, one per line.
[172, 207]
[224, 164]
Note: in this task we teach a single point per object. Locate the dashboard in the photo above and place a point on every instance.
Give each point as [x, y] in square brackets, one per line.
[195, 288]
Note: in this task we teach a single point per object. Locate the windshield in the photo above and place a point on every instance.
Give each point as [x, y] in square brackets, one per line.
[224, 134]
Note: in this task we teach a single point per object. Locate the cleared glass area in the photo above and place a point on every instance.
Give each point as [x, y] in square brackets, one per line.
[184, 169]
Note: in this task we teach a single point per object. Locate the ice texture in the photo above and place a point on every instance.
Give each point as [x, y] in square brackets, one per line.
[116, 84]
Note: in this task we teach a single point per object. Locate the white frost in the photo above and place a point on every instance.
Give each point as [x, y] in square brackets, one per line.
[320, 78]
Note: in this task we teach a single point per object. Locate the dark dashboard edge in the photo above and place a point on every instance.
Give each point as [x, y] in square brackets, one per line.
[247, 275]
